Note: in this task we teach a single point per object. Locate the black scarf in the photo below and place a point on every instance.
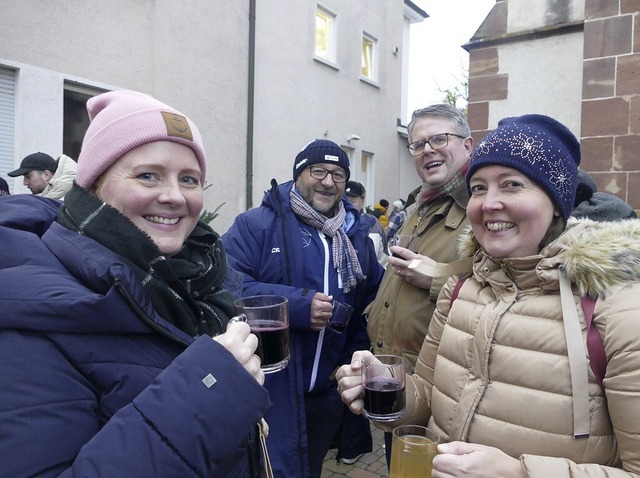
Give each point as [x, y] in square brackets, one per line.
[185, 289]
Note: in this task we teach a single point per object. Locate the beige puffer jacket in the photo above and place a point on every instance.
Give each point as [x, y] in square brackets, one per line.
[494, 369]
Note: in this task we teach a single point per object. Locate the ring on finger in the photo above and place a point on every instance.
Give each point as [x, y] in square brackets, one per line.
[238, 318]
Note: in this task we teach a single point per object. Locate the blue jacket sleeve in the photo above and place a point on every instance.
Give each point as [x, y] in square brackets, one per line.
[177, 426]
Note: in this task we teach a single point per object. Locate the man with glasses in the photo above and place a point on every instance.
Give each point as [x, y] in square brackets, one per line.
[440, 145]
[308, 243]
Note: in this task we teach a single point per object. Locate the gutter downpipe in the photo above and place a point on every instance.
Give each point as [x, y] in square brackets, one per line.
[250, 105]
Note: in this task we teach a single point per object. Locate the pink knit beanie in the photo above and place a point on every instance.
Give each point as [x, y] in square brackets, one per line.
[123, 120]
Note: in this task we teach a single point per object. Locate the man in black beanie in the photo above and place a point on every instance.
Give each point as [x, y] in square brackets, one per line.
[307, 242]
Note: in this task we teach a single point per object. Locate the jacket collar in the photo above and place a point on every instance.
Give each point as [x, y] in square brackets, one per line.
[596, 255]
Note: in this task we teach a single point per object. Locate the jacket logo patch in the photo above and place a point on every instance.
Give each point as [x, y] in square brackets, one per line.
[209, 381]
[275, 250]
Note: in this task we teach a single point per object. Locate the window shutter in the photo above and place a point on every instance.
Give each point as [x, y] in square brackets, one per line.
[7, 122]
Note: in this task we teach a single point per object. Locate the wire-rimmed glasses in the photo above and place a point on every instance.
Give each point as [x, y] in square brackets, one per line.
[338, 175]
[437, 141]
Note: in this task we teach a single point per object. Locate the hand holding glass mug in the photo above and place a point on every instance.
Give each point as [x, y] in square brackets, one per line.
[349, 379]
[321, 310]
[374, 385]
[239, 340]
[383, 378]
[268, 318]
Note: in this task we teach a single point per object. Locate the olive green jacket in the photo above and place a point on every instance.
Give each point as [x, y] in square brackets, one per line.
[400, 314]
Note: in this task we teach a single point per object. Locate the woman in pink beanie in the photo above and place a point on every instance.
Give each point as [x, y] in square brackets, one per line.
[110, 305]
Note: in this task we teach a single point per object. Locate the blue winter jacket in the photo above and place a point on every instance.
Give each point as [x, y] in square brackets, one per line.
[284, 256]
[94, 382]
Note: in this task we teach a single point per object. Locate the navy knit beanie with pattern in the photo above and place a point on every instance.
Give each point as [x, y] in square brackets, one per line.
[320, 151]
[539, 147]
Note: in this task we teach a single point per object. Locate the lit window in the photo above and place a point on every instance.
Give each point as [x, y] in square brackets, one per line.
[369, 57]
[325, 32]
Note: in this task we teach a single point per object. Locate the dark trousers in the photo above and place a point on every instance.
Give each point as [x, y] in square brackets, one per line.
[354, 437]
[324, 415]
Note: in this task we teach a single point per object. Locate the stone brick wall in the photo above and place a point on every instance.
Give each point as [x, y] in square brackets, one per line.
[610, 109]
[610, 136]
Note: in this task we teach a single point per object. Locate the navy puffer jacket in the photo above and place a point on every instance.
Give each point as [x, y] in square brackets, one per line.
[95, 382]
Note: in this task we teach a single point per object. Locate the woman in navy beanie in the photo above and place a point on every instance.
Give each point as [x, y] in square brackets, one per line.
[531, 365]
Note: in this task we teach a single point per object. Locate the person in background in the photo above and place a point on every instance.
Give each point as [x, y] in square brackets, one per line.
[397, 218]
[356, 193]
[307, 242]
[380, 212]
[4, 188]
[598, 206]
[117, 350]
[46, 176]
[504, 377]
[440, 146]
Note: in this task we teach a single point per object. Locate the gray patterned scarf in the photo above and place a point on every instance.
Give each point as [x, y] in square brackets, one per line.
[345, 259]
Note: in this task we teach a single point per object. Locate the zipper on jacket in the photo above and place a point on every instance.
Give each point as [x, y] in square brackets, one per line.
[144, 317]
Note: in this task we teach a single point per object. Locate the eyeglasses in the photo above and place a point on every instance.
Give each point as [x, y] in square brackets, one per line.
[337, 175]
[437, 141]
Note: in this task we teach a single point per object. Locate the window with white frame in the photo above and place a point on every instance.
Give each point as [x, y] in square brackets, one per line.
[325, 35]
[369, 57]
[366, 173]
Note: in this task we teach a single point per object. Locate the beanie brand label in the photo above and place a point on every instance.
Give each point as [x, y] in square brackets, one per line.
[330, 157]
[177, 125]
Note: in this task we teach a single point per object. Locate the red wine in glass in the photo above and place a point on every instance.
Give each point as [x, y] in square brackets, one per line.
[273, 341]
[384, 398]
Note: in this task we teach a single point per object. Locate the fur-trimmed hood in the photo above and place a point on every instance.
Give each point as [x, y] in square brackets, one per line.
[596, 255]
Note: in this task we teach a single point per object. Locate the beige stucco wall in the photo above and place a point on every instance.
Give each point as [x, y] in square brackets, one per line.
[553, 68]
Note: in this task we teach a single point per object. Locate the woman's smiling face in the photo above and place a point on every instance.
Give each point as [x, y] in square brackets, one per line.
[158, 186]
[509, 213]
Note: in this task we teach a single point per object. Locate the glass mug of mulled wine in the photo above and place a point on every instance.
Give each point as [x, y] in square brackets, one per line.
[383, 377]
[268, 317]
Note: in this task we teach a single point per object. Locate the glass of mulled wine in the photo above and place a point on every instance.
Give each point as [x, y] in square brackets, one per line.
[268, 317]
[383, 378]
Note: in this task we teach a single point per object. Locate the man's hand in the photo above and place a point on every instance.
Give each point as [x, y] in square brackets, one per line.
[400, 265]
[321, 310]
